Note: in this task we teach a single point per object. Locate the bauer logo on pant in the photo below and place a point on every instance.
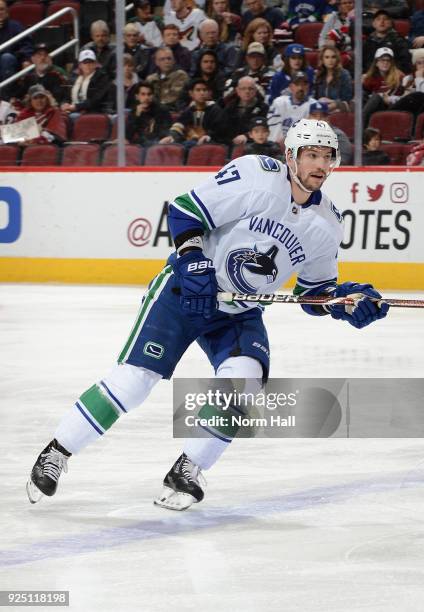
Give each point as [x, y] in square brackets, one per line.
[153, 350]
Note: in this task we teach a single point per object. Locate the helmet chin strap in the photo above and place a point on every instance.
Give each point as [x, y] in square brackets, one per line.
[297, 179]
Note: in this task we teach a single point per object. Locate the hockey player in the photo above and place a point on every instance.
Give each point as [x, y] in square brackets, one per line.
[248, 228]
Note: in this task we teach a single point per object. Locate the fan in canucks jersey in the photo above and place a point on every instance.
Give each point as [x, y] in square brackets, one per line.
[247, 229]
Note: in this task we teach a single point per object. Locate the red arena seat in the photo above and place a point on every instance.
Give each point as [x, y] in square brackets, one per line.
[312, 58]
[397, 152]
[165, 155]
[27, 13]
[40, 155]
[9, 155]
[237, 151]
[393, 125]
[57, 5]
[207, 155]
[81, 155]
[344, 121]
[133, 155]
[91, 127]
[402, 27]
[307, 34]
[419, 127]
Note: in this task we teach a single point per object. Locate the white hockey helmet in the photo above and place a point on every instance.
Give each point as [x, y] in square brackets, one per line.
[312, 132]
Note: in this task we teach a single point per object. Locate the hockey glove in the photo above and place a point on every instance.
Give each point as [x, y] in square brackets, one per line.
[366, 308]
[196, 276]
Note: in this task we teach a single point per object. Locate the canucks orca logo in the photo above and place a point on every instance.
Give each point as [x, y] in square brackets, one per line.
[244, 264]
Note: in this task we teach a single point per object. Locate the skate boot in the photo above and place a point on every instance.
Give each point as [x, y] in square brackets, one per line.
[182, 485]
[46, 471]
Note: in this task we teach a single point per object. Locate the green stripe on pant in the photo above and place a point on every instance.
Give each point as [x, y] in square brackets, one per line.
[100, 408]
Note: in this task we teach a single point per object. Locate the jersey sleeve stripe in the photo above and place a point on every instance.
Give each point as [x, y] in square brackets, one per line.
[185, 204]
[203, 208]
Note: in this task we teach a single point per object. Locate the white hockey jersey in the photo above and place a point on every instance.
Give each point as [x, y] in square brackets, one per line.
[188, 27]
[256, 235]
[283, 113]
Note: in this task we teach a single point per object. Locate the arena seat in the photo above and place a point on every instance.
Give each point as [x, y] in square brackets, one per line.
[165, 155]
[344, 121]
[133, 155]
[9, 155]
[237, 151]
[40, 155]
[207, 155]
[397, 152]
[27, 13]
[57, 5]
[312, 58]
[95, 126]
[402, 27]
[393, 125]
[81, 155]
[307, 34]
[419, 127]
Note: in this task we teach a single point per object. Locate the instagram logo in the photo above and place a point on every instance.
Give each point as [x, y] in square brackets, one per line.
[399, 193]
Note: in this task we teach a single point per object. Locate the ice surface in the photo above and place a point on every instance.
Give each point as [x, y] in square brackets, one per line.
[286, 525]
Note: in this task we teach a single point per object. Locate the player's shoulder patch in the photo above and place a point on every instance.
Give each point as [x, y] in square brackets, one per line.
[269, 164]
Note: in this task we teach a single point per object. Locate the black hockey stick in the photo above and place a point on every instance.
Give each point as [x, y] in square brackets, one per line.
[287, 298]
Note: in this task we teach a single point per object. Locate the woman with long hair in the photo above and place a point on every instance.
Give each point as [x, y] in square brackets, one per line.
[333, 83]
[259, 30]
[207, 69]
[382, 83]
[229, 23]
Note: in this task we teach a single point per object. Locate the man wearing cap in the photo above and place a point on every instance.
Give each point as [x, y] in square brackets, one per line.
[40, 106]
[320, 112]
[104, 50]
[44, 73]
[287, 109]
[294, 61]
[92, 91]
[255, 67]
[209, 39]
[149, 32]
[258, 8]
[258, 143]
[384, 35]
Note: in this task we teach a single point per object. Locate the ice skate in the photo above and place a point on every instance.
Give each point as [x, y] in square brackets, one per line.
[46, 471]
[182, 485]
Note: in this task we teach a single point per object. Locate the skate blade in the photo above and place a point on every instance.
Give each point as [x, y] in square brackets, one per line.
[174, 500]
[33, 492]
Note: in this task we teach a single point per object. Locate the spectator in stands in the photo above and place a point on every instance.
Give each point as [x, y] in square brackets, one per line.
[44, 73]
[255, 67]
[13, 57]
[260, 31]
[92, 91]
[149, 32]
[413, 97]
[187, 19]
[287, 109]
[373, 155]
[171, 39]
[8, 112]
[306, 12]
[416, 33]
[333, 84]
[131, 80]
[200, 122]
[382, 83]
[141, 54]
[100, 43]
[167, 82]
[258, 143]
[321, 112]
[295, 61]
[258, 8]
[335, 31]
[384, 35]
[148, 121]
[246, 103]
[209, 39]
[229, 23]
[41, 106]
[207, 69]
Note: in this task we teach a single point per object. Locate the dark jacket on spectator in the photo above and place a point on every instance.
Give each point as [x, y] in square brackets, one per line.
[23, 49]
[148, 127]
[340, 89]
[100, 95]
[395, 42]
[274, 16]
[226, 55]
[193, 123]
[106, 57]
[417, 26]
[182, 57]
[271, 149]
[238, 118]
[53, 80]
[375, 158]
[262, 77]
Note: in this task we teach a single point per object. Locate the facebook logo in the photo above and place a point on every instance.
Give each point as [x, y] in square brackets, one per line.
[11, 212]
